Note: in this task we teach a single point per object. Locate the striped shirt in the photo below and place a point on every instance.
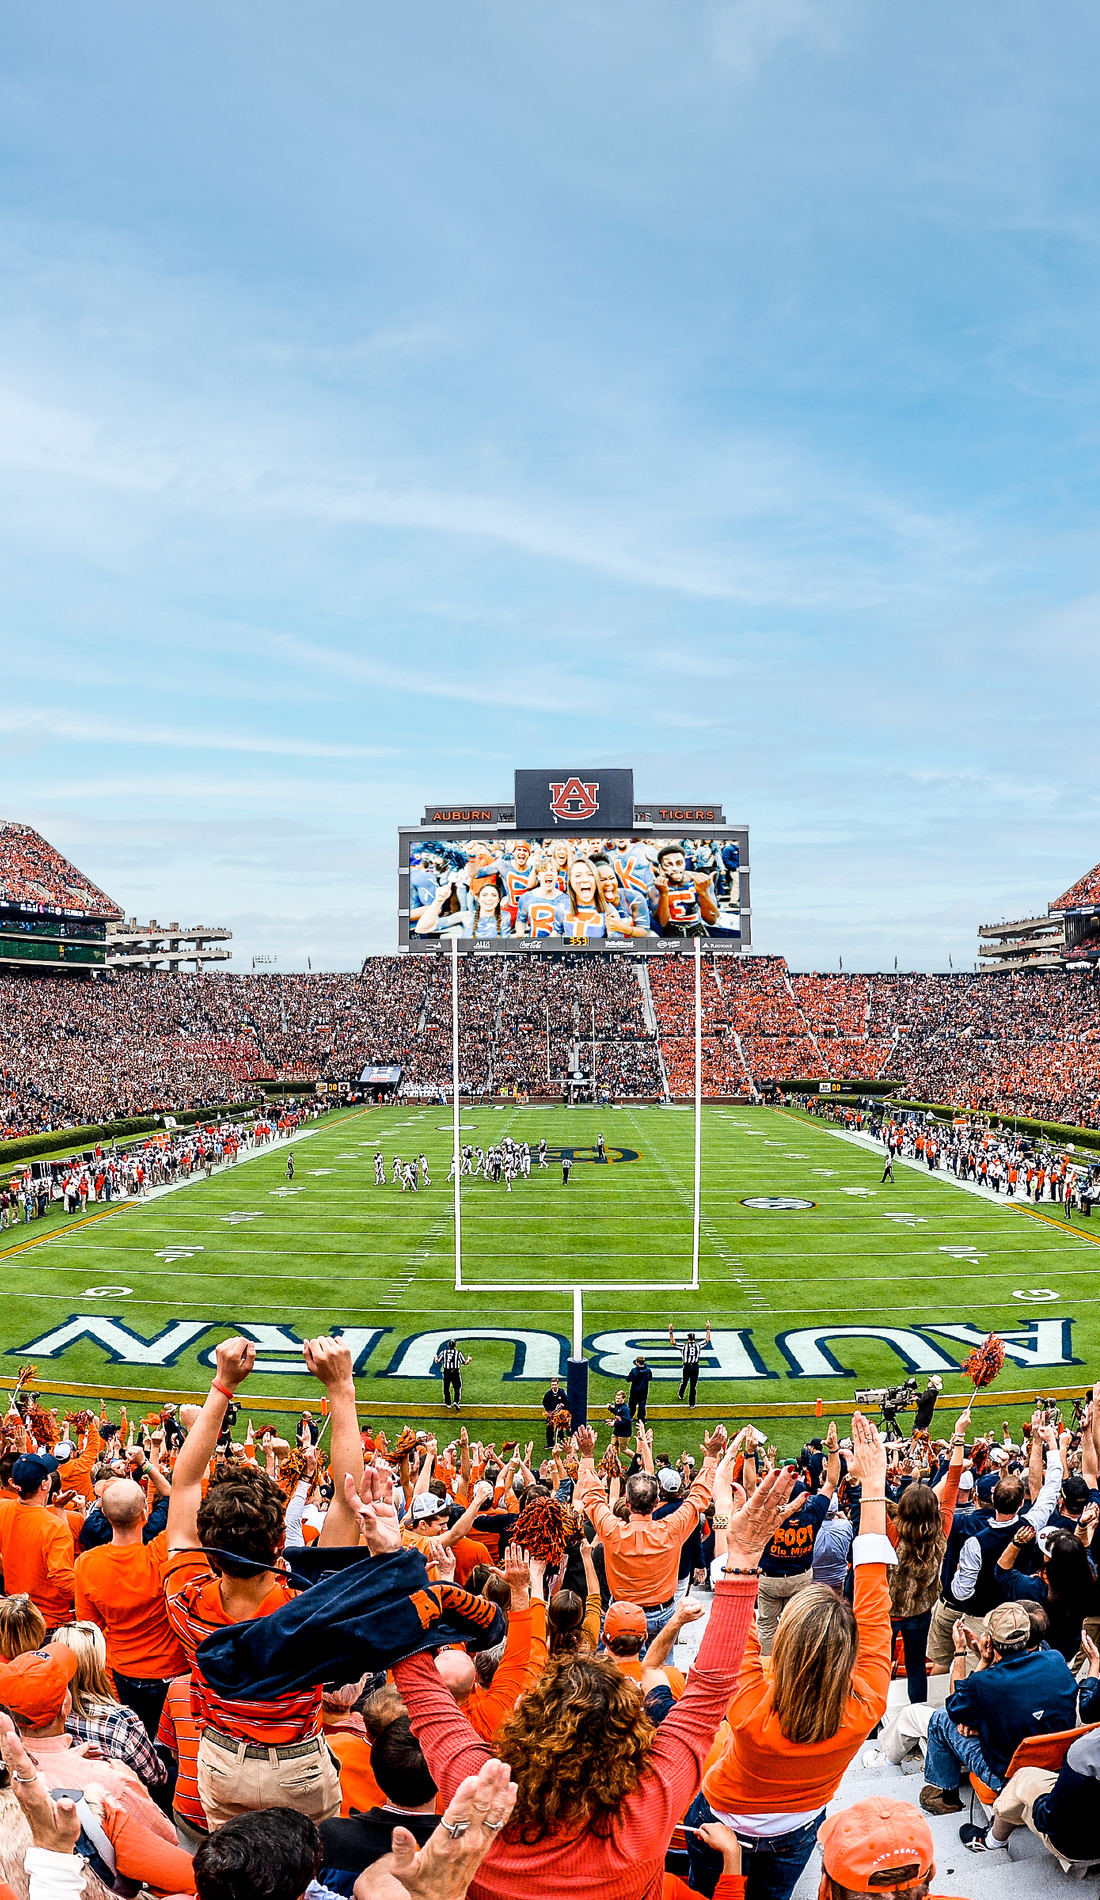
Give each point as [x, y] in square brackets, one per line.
[195, 1611]
[179, 1734]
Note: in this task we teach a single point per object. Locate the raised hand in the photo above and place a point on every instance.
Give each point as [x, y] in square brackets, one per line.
[867, 1458]
[586, 1441]
[754, 1526]
[443, 1868]
[235, 1360]
[329, 1360]
[54, 1825]
[715, 1445]
[372, 1504]
[517, 1575]
[728, 1496]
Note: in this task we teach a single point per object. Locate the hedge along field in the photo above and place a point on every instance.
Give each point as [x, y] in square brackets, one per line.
[845, 1281]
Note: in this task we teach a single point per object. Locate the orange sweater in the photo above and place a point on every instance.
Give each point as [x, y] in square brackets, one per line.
[760, 1772]
[522, 1663]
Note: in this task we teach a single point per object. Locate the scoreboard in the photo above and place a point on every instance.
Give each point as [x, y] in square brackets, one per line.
[573, 863]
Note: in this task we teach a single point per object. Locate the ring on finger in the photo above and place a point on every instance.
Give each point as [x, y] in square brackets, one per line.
[455, 1828]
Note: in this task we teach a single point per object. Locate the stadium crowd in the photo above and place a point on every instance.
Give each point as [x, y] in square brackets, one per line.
[29, 1190]
[75, 1053]
[33, 872]
[1010, 1163]
[234, 1663]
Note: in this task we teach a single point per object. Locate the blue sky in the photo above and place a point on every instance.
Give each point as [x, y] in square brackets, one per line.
[391, 396]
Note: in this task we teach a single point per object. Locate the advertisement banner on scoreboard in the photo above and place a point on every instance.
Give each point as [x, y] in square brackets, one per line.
[558, 889]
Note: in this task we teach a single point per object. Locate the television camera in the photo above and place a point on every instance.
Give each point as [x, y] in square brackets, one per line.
[890, 1399]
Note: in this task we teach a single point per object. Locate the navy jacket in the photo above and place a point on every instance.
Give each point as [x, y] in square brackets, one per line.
[1031, 1693]
[1070, 1814]
[365, 1617]
[96, 1530]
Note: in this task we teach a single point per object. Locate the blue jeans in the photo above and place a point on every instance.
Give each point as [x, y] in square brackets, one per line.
[655, 1621]
[914, 1637]
[771, 1867]
[949, 1753]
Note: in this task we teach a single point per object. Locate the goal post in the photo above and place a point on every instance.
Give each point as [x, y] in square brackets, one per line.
[455, 1092]
[698, 1113]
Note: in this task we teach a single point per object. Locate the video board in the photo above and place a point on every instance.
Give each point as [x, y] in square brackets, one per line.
[521, 891]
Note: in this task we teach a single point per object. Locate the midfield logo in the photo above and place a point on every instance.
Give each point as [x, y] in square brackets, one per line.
[570, 799]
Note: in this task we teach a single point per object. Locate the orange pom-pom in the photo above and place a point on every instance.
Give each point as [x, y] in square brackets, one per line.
[985, 1362]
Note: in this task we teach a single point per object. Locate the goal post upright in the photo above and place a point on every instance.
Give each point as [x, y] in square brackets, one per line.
[454, 1089]
[698, 1112]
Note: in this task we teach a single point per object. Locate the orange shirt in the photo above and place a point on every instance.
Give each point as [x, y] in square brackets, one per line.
[120, 1587]
[427, 1546]
[631, 1667]
[36, 1550]
[642, 1557]
[761, 1772]
[76, 1474]
[487, 1710]
[358, 1788]
[468, 1553]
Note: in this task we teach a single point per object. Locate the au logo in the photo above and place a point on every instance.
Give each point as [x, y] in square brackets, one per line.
[570, 799]
[608, 1158]
[777, 1203]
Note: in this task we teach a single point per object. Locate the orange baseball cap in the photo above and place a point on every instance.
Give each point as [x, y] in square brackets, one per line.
[624, 1619]
[35, 1685]
[877, 1844]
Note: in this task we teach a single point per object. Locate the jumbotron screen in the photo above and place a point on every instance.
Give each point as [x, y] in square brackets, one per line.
[557, 890]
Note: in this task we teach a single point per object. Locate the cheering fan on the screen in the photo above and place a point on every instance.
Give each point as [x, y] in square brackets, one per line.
[685, 899]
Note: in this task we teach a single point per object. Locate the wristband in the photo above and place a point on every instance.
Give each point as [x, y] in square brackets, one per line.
[721, 1520]
[881, 1500]
[735, 1570]
[216, 1386]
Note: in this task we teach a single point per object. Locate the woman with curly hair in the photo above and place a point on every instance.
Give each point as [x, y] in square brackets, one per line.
[599, 1789]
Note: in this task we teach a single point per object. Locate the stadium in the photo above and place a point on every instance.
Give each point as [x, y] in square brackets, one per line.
[573, 1160]
[726, 1117]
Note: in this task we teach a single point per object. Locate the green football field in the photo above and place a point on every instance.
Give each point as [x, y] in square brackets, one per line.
[854, 1284]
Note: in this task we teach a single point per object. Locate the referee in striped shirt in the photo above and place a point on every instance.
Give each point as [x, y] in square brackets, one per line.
[452, 1361]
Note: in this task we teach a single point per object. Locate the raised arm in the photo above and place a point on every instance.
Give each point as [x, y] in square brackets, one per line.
[235, 1360]
[482, 1493]
[329, 1360]
[832, 1467]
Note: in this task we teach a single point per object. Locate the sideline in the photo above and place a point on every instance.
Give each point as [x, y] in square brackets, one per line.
[166, 1187]
[1007, 1205]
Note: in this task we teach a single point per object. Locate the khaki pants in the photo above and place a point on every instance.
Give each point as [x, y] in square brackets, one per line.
[233, 1781]
[772, 1596]
[1016, 1804]
[941, 1636]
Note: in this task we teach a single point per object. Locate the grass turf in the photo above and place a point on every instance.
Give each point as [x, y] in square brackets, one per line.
[341, 1252]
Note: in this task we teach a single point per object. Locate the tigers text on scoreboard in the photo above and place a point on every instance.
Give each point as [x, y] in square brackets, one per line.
[573, 863]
